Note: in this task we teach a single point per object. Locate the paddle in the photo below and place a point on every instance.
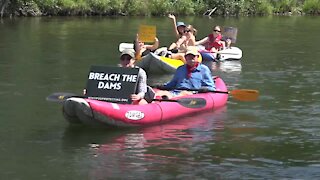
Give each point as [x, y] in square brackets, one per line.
[186, 102]
[218, 52]
[239, 94]
[243, 94]
[123, 46]
[61, 96]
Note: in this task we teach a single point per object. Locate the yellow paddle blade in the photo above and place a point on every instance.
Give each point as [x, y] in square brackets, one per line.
[245, 94]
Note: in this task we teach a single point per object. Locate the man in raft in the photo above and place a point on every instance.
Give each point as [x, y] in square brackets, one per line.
[192, 75]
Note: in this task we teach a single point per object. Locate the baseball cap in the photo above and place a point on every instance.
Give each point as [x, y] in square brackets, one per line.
[193, 51]
[181, 24]
[129, 52]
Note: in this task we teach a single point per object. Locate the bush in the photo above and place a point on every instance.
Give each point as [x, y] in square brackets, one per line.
[82, 7]
[137, 8]
[284, 6]
[311, 7]
[259, 7]
[24, 8]
[99, 7]
[46, 4]
[184, 7]
[159, 7]
[200, 7]
[116, 7]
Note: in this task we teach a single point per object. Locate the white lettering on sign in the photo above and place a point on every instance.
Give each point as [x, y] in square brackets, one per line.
[129, 78]
[134, 115]
[109, 85]
[104, 77]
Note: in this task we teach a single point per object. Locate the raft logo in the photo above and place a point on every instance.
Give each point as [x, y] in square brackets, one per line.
[193, 102]
[134, 115]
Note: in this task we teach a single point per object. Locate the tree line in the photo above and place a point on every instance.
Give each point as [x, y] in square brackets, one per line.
[157, 7]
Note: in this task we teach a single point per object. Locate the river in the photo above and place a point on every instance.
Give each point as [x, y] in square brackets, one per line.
[276, 137]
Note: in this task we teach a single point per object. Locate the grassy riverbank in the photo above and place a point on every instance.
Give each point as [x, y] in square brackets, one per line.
[156, 7]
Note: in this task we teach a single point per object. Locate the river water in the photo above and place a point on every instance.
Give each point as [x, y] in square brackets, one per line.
[276, 137]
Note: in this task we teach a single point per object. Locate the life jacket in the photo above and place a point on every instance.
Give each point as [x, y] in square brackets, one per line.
[214, 42]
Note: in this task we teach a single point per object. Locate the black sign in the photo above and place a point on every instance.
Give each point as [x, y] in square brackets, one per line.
[113, 84]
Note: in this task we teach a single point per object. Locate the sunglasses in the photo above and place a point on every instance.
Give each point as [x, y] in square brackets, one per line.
[215, 30]
[187, 31]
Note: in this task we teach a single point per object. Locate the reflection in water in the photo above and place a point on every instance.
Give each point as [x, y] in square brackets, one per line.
[233, 67]
[229, 71]
[155, 147]
[227, 66]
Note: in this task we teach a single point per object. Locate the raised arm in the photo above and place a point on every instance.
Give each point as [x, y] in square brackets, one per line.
[154, 46]
[175, 30]
[137, 48]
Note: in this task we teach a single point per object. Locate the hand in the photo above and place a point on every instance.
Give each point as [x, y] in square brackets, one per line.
[135, 97]
[203, 90]
[171, 16]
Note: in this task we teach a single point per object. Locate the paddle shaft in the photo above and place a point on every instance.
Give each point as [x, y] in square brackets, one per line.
[199, 90]
[165, 100]
[123, 46]
[230, 53]
[186, 102]
[239, 94]
[186, 89]
[223, 92]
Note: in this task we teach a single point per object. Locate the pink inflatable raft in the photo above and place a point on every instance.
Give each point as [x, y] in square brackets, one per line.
[89, 111]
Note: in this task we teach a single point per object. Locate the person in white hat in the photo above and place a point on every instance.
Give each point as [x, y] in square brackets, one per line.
[192, 75]
[127, 59]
